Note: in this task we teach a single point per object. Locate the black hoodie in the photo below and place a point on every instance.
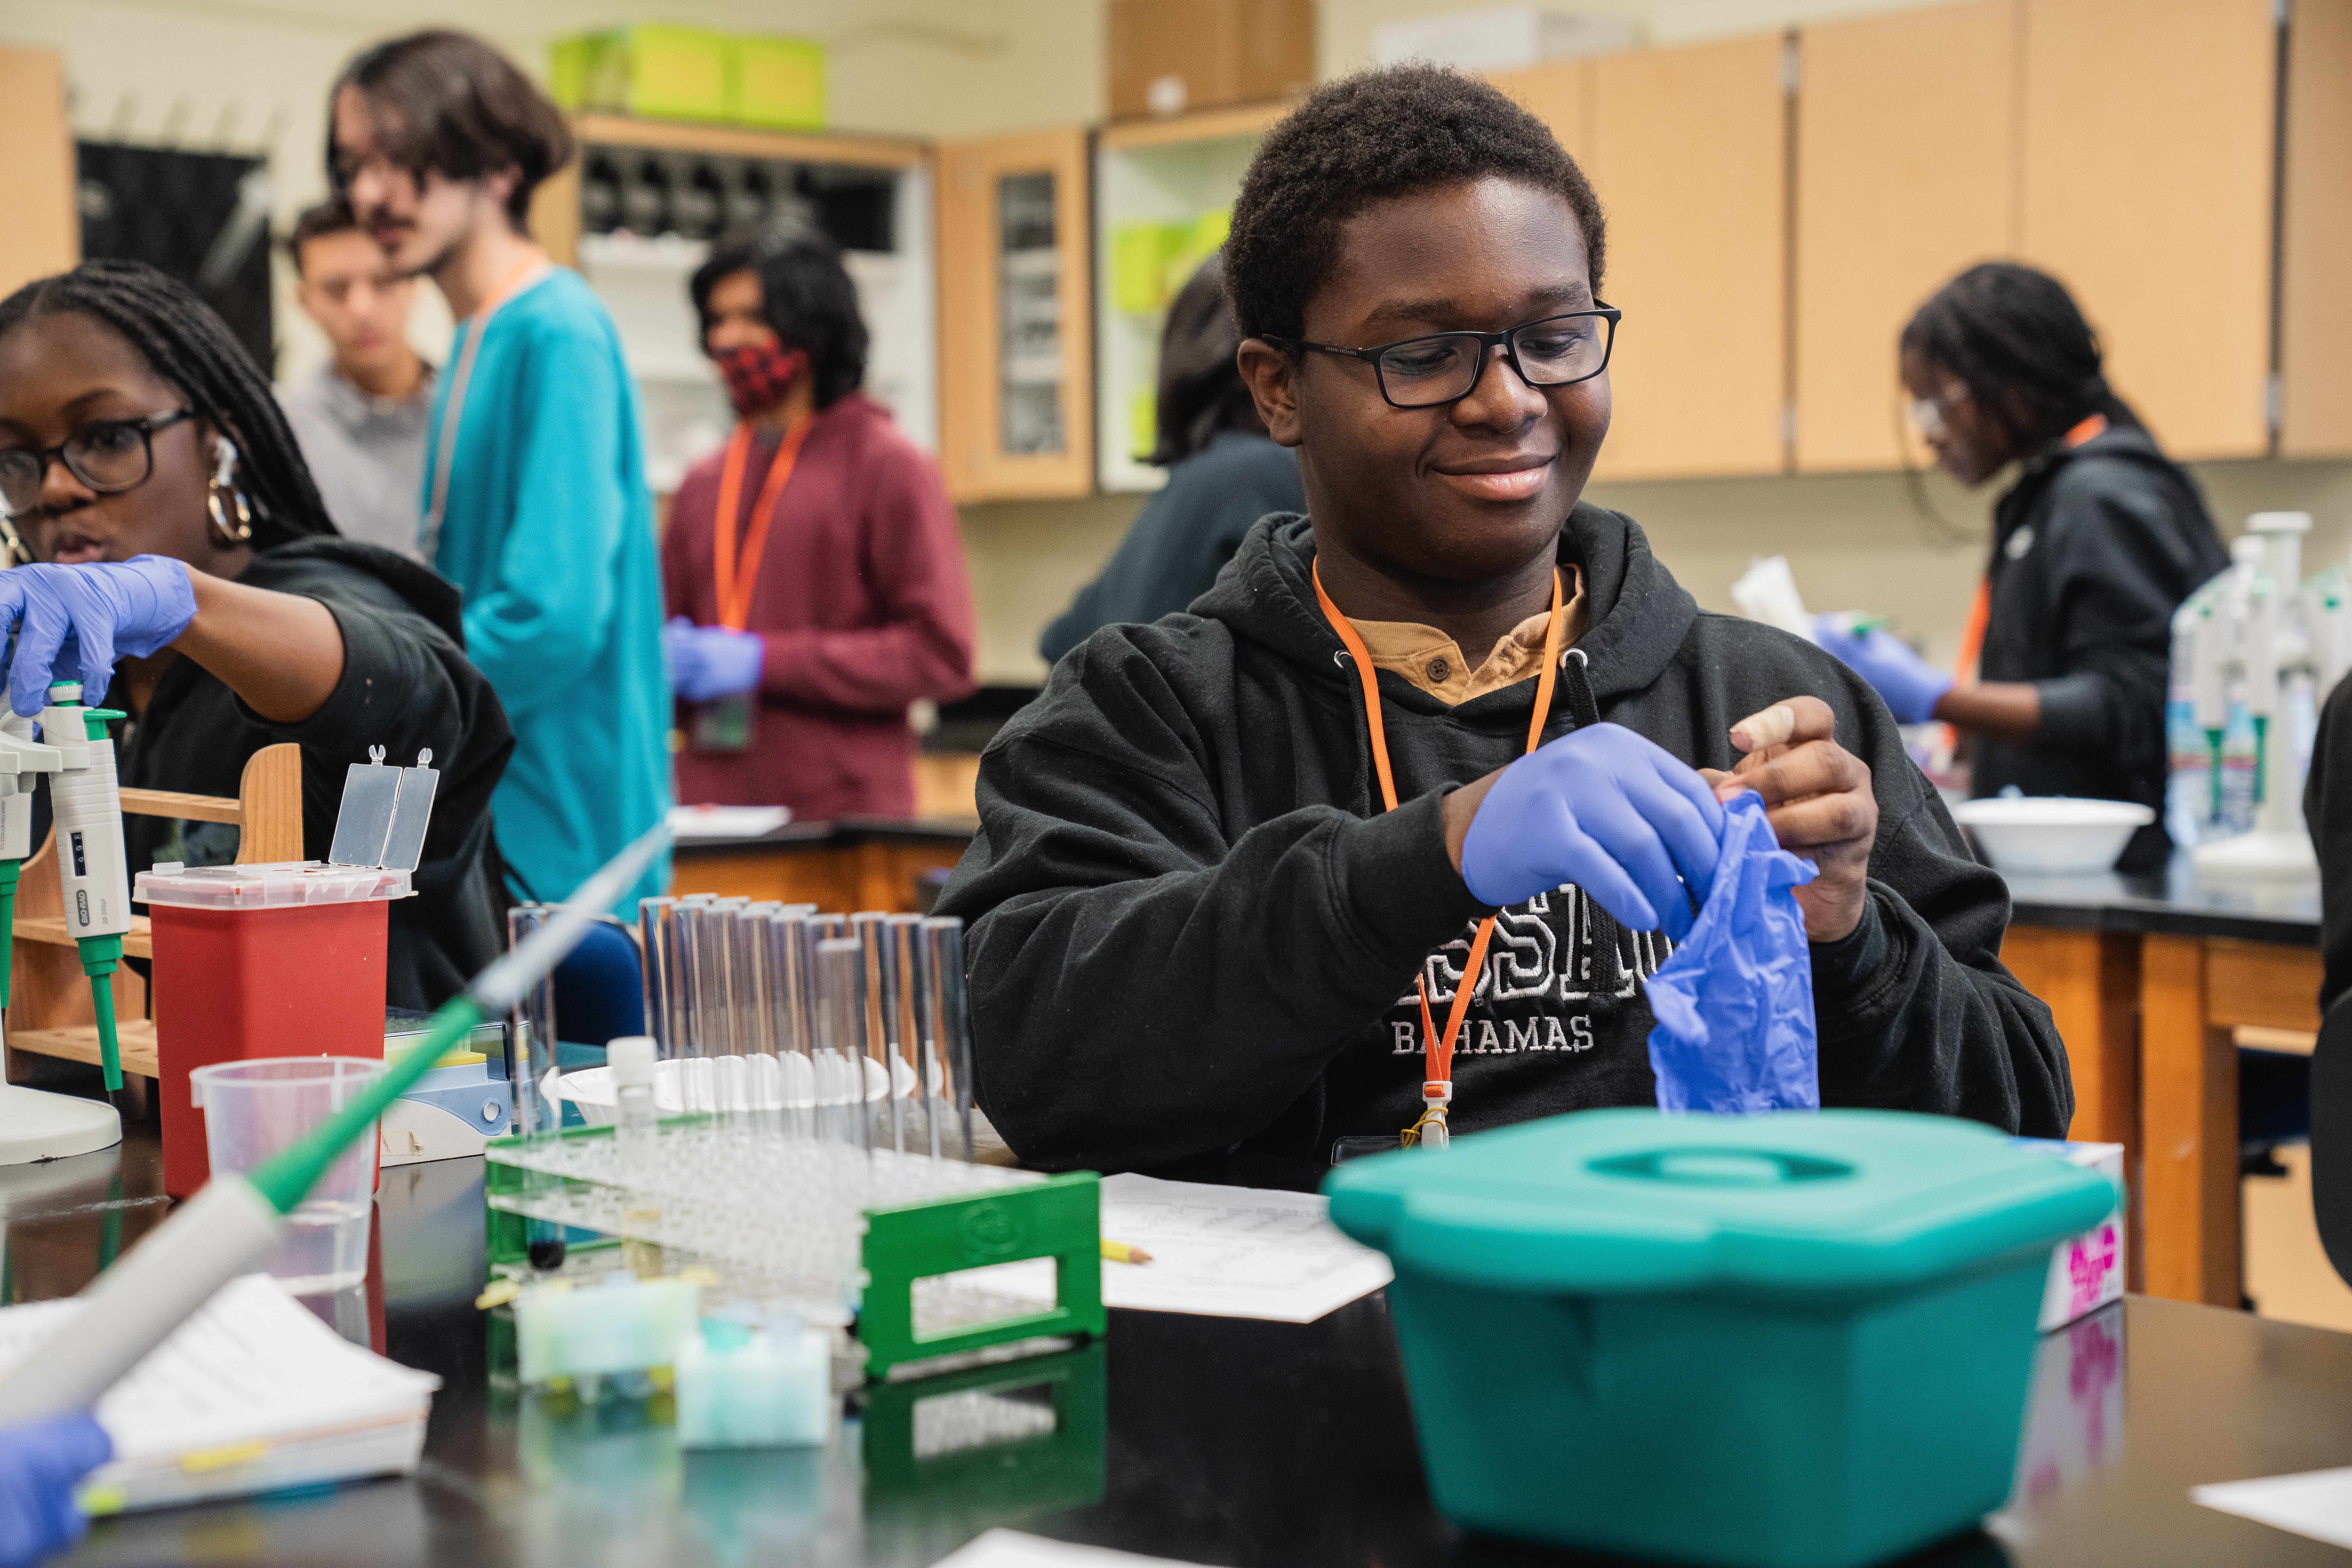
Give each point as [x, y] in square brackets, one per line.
[408, 687]
[2094, 549]
[1194, 934]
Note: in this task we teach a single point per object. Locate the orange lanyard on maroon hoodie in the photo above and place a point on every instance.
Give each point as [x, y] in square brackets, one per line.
[1437, 1050]
[736, 579]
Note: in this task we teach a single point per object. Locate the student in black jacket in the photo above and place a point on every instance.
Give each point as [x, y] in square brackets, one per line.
[169, 518]
[2093, 548]
[1224, 474]
[1200, 941]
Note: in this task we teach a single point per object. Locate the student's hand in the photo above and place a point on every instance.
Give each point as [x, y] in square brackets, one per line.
[109, 608]
[1909, 684]
[707, 662]
[1818, 798]
[1603, 808]
[40, 1465]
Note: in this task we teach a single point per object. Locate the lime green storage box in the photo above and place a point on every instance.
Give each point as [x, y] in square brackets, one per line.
[1799, 1341]
[653, 68]
[779, 82]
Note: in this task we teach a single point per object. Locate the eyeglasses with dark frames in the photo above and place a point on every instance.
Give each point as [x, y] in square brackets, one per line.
[110, 455]
[1444, 367]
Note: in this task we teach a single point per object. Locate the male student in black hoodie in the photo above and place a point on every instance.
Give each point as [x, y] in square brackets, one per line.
[1202, 942]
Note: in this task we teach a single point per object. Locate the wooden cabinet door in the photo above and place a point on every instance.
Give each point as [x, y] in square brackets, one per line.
[2147, 134]
[2315, 235]
[42, 232]
[1906, 147]
[1688, 151]
[1016, 351]
[1559, 93]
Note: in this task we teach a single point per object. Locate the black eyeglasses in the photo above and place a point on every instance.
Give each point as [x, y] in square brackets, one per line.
[1444, 367]
[110, 455]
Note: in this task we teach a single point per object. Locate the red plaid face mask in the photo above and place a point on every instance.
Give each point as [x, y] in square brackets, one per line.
[759, 374]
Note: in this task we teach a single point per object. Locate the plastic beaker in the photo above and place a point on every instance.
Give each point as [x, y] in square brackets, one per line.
[255, 1108]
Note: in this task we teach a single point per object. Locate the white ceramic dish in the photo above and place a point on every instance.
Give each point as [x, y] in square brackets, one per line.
[2052, 836]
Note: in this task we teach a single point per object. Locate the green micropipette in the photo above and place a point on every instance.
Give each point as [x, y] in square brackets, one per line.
[231, 1224]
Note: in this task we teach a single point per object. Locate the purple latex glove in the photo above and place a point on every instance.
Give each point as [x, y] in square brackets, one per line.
[108, 608]
[1910, 685]
[1605, 809]
[40, 1465]
[711, 661]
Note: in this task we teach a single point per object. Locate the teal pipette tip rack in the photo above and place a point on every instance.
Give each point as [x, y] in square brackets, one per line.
[742, 1206]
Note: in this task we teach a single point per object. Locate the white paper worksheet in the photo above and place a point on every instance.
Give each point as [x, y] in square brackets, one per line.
[1220, 1252]
[1011, 1548]
[2317, 1504]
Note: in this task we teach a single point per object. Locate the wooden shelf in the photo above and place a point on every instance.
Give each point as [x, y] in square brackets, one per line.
[1206, 125]
[134, 1037]
[52, 929]
[743, 141]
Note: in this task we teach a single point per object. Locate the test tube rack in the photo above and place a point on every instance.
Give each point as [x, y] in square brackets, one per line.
[879, 1232]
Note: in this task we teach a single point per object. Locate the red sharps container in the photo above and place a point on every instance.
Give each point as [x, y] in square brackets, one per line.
[282, 959]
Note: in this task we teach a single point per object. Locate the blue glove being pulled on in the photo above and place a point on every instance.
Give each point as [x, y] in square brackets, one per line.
[711, 661]
[1607, 810]
[38, 1467]
[1909, 684]
[108, 608]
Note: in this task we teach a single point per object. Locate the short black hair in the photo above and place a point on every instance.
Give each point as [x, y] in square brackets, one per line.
[2014, 337]
[1364, 139]
[805, 293]
[188, 345]
[447, 102]
[1201, 387]
[332, 215]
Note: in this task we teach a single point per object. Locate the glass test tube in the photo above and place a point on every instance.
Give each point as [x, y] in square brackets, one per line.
[916, 1041]
[953, 1020]
[655, 942]
[755, 1014]
[841, 1041]
[537, 1116]
[880, 957]
[685, 975]
[791, 953]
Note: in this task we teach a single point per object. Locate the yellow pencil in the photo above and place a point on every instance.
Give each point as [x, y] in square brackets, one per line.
[1119, 1252]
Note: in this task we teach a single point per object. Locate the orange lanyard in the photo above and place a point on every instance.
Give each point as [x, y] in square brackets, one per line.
[525, 272]
[737, 579]
[1437, 1050]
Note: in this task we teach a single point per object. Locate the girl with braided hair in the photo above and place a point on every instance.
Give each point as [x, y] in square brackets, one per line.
[2094, 545]
[177, 552]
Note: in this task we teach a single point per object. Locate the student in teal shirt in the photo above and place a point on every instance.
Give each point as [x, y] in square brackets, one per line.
[536, 502]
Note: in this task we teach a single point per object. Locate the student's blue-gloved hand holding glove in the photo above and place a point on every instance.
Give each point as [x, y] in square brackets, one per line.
[1910, 685]
[40, 1465]
[1603, 808]
[108, 608]
[706, 662]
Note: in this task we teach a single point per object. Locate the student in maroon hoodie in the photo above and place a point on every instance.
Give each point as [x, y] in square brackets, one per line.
[835, 593]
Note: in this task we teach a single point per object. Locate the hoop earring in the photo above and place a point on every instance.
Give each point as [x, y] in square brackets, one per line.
[223, 535]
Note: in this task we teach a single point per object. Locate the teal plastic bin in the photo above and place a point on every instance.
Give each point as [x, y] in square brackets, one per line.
[1798, 1339]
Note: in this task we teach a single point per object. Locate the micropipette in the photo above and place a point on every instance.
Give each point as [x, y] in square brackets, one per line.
[91, 870]
[234, 1220]
[21, 761]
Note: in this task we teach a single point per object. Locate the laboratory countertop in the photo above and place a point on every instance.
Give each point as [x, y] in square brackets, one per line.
[1207, 1440]
[849, 830]
[2176, 903]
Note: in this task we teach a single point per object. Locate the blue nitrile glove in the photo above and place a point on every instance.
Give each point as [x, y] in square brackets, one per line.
[1607, 810]
[40, 1465]
[109, 608]
[1910, 685]
[711, 661]
[1734, 1005]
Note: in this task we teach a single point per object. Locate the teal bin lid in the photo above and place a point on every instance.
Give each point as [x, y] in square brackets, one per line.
[1603, 1202]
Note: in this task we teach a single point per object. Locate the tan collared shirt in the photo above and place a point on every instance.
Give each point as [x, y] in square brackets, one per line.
[1433, 662]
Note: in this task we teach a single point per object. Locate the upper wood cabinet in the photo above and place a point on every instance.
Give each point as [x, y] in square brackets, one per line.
[1559, 93]
[1905, 176]
[1688, 148]
[2147, 130]
[1016, 348]
[42, 232]
[2315, 234]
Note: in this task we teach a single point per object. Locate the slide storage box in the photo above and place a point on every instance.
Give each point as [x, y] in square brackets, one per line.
[1799, 1341]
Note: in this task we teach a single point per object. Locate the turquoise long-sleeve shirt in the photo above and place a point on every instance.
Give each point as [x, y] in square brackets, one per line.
[549, 529]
